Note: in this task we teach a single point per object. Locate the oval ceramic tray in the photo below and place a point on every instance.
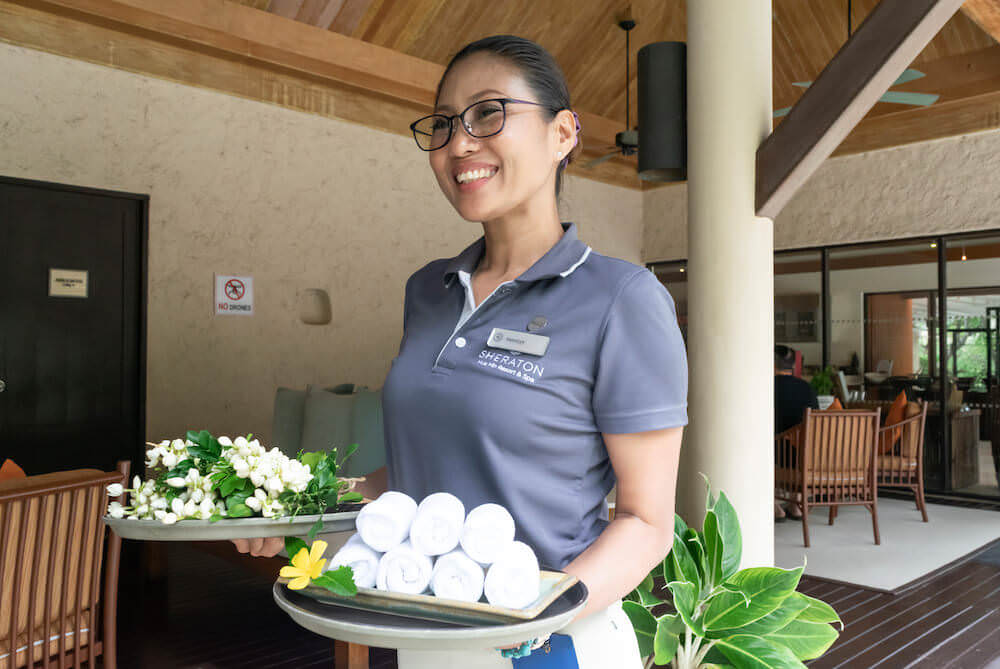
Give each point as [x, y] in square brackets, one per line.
[386, 630]
[228, 528]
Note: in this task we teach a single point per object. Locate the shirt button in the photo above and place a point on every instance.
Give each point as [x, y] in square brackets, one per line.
[506, 290]
[460, 342]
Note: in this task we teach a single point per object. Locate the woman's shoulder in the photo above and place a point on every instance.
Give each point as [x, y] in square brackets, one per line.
[616, 276]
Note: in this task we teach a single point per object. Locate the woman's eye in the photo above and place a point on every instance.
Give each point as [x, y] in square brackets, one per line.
[439, 124]
[486, 112]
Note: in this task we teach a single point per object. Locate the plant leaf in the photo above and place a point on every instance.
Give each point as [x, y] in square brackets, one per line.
[746, 651]
[713, 550]
[685, 601]
[817, 611]
[240, 510]
[647, 583]
[312, 459]
[215, 517]
[665, 642]
[684, 567]
[644, 624]
[766, 588]
[350, 451]
[350, 497]
[293, 545]
[647, 598]
[339, 581]
[806, 640]
[316, 527]
[728, 524]
[781, 616]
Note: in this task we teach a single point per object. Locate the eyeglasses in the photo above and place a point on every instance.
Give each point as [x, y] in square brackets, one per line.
[480, 119]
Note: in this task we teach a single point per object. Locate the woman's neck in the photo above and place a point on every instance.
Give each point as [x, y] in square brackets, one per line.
[515, 242]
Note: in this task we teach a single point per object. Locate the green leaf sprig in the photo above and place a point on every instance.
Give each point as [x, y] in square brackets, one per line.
[723, 616]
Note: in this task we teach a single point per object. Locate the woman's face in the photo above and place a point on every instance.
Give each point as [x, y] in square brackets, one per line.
[519, 163]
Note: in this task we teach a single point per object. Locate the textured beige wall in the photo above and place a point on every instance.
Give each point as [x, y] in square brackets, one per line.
[240, 187]
[947, 185]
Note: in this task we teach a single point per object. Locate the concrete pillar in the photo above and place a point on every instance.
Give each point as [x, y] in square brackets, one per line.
[730, 271]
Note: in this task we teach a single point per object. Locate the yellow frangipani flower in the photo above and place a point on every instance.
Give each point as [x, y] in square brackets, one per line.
[305, 565]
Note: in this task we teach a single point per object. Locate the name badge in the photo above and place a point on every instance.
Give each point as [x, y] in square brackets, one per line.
[522, 342]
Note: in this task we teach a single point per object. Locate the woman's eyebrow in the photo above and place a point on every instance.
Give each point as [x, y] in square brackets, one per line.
[474, 98]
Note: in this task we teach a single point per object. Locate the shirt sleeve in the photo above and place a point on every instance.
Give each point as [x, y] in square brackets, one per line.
[642, 377]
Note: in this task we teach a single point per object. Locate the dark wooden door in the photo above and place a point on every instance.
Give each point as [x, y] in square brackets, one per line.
[72, 367]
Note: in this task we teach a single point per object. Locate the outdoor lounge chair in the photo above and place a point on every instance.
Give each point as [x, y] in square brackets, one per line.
[829, 459]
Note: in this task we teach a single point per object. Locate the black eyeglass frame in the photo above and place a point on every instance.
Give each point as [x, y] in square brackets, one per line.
[461, 116]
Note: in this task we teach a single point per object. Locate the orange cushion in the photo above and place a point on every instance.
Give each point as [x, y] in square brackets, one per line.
[895, 415]
[10, 470]
[836, 406]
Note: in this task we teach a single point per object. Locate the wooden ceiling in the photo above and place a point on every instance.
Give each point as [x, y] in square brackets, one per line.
[962, 61]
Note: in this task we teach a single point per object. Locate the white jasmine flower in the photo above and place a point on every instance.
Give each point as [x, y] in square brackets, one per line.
[260, 494]
[177, 482]
[197, 495]
[193, 476]
[190, 508]
[169, 459]
[116, 510]
[159, 503]
[159, 514]
[116, 489]
[257, 478]
[177, 506]
[253, 503]
[179, 445]
[207, 508]
[142, 510]
[169, 519]
[224, 441]
[136, 483]
[274, 485]
[142, 498]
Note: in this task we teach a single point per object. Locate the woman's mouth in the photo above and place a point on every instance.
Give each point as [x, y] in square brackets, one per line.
[473, 179]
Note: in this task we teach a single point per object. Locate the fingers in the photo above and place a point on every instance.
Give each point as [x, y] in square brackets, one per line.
[260, 547]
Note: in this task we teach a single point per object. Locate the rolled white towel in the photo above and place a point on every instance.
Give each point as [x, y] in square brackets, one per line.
[361, 558]
[457, 576]
[385, 523]
[488, 531]
[437, 525]
[403, 569]
[513, 580]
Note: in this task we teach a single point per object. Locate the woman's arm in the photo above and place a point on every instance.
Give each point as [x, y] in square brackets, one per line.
[641, 533]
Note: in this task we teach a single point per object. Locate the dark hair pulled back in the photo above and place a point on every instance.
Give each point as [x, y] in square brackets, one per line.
[539, 70]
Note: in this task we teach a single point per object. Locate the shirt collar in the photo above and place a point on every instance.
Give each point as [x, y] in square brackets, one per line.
[567, 254]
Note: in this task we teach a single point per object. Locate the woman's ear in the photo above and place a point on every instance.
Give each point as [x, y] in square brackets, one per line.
[567, 137]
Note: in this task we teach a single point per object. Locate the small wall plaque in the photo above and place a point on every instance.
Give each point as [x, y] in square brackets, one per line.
[67, 283]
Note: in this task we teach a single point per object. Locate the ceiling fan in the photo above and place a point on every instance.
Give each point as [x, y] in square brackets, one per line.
[627, 141]
[897, 97]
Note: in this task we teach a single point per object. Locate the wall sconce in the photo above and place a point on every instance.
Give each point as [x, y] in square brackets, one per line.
[314, 307]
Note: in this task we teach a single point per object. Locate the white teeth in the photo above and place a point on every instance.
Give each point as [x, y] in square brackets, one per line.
[472, 175]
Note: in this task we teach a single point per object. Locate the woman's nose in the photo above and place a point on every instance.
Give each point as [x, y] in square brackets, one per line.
[461, 141]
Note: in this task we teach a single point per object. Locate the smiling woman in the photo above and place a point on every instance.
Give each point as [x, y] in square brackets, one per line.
[546, 372]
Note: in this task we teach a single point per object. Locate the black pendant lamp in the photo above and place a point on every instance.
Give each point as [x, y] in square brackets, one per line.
[663, 111]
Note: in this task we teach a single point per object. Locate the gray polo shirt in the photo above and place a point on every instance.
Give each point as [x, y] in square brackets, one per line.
[491, 424]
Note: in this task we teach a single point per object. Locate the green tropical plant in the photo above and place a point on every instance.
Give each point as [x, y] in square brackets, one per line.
[822, 381]
[721, 616]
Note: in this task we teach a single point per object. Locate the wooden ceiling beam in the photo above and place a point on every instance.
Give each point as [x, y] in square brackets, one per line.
[884, 45]
[232, 28]
[986, 14]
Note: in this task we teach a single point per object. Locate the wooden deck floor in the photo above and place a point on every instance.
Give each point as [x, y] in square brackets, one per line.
[209, 613]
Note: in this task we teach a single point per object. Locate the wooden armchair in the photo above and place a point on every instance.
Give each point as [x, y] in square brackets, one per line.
[52, 545]
[829, 459]
[900, 463]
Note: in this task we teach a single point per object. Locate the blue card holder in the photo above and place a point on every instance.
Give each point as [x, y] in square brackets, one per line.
[561, 655]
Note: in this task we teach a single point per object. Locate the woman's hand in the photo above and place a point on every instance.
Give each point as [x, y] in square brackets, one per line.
[260, 547]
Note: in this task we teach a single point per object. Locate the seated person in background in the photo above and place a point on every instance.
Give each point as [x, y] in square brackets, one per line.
[791, 397]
